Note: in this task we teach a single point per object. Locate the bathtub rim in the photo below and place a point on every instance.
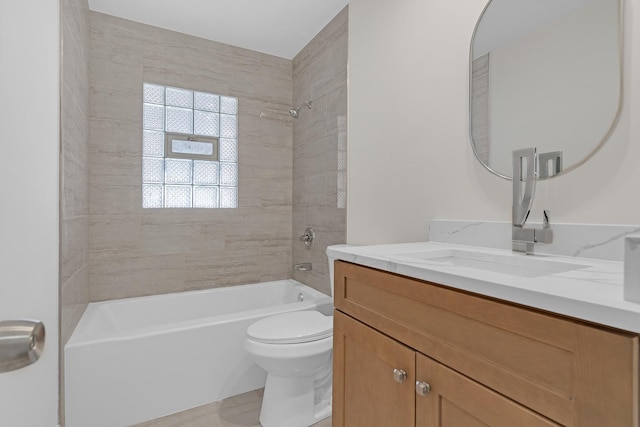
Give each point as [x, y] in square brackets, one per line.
[80, 339]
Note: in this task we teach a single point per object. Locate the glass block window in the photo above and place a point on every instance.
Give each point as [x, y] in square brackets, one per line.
[189, 148]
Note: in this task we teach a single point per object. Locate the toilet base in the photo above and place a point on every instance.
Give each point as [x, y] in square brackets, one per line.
[296, 402]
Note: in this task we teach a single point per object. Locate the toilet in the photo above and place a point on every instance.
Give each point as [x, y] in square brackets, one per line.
[296, 351]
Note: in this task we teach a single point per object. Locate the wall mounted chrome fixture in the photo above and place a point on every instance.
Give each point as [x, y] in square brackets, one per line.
[303, 266]
[308, 237]
[295, 112]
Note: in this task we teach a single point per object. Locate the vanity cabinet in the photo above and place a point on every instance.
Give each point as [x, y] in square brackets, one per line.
[475, 361]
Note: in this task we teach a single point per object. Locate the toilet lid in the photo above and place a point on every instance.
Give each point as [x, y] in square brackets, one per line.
[291, 328]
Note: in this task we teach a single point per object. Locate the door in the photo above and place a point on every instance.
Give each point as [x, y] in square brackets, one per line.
[452, 400]
[29, 146]
[374, 377]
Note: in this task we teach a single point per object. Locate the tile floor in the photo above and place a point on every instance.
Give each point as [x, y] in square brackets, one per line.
[238, 411]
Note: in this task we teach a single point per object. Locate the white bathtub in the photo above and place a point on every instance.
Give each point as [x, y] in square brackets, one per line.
[138, 359]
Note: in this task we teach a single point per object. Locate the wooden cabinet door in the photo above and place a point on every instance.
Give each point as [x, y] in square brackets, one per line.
[457, 401]
[365, 391]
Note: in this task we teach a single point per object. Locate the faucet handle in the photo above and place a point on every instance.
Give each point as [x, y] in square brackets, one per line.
[308, 237]
[544, 235]
[545, 219]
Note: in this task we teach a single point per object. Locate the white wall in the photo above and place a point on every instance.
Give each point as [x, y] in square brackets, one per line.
[29, 125]
[409, 154]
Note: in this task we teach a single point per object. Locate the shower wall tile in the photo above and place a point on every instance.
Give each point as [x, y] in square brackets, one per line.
[116, 167]
[260, 193]
[118, 104]
[312, 123]
[110, 232]
[115, 199]
[130, 273]
[135, 251]
[75, 124]
[75, 31]
[228, 269]
[319, 75]
[74, 164]
[267, 162]
[299, 160]
[112, 67]
[117, 159]
[74, 173]
[331, 192]
[76, 294]
[325, 56]
[218, 68]
[74, 244]
[337, 100]
[322, 156]
[309, 191]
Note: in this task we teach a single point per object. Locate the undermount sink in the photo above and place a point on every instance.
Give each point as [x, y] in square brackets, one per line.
[515, 265]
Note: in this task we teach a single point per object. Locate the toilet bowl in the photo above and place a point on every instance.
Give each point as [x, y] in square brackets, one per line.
[296, 351]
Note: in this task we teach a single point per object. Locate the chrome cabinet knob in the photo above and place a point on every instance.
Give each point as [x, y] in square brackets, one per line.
[422, 388]
[399, 375]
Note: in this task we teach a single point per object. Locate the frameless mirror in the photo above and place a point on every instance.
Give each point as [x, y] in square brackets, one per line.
[545, 74]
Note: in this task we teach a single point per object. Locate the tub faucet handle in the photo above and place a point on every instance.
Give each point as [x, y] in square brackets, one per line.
[308, 237]
[544, 234]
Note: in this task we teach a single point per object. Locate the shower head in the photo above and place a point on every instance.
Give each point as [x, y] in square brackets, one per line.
[295, 112]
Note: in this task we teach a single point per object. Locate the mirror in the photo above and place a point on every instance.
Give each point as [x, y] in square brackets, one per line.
[544, 74]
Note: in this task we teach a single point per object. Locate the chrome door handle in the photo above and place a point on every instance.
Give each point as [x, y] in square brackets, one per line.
[21, 343]
[399, 375]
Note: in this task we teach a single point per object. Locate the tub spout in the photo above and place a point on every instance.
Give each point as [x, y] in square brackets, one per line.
[305, 266]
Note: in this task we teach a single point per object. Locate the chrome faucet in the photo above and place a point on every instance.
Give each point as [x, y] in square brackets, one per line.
[525, 174]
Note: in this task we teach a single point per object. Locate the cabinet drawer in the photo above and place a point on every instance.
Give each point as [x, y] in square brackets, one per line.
[575, 374]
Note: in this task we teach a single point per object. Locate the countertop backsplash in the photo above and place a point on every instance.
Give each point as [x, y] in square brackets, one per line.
[604, 242]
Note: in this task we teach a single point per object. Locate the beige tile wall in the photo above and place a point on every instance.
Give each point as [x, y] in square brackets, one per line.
[480, 108]
[74, 165]
[319, 147]
[74, 175]
[136, 252]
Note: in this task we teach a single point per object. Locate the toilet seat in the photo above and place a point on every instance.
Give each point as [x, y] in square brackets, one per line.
[292, 328]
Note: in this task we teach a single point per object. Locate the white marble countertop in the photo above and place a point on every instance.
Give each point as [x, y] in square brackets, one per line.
[593, 291]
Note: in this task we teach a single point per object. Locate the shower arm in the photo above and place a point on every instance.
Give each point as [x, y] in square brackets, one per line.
[308, 105]
[295, 111]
